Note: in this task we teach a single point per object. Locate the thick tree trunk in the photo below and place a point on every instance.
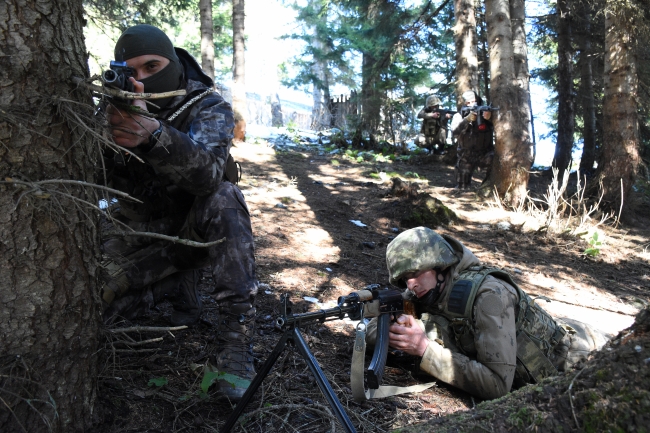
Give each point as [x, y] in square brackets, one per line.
[509, 88]
[587, 98]
[207, 37]
[566, 106]
[370, 96]
[238, 62]
[49, 307]
[619, 160]
[522, 80]
[466, 47]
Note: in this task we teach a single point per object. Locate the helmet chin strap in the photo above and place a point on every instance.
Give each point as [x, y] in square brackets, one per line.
[432, 295]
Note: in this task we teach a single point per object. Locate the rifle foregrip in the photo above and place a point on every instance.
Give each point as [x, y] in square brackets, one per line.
[378, 362]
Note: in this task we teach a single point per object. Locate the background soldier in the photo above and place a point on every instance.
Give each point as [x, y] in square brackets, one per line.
[476, 329]
[475, 146]
[433, 134]
[184, 191]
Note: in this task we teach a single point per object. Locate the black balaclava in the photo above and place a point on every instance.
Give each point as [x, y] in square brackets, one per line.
[145, 39]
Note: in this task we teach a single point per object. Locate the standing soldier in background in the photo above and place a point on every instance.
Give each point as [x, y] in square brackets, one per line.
[433, 134]
[184, 187]
[475, 145]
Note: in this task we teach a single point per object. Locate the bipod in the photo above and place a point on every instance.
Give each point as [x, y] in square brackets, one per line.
[292, 334]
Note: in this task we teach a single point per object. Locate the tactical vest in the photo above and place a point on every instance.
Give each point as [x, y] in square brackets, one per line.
[537, 332]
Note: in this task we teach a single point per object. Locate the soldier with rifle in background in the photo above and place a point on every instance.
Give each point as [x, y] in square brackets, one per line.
[433, 134]
[474, 135]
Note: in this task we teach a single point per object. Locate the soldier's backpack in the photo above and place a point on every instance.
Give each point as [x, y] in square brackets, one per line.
[537, 332]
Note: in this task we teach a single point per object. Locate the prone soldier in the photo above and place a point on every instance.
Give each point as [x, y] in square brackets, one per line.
[475, 328]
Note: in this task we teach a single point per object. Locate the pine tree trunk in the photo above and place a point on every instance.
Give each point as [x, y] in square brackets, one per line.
[238, 61]
[587, 98]
[466, 47]
[566, 107]
[370, 96]
[207, 37]
[619, 160]
[509, 89]
[522, 82]
[321, 116]
[49, 302]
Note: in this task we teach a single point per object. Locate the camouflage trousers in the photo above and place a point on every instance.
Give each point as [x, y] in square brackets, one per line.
[133, 266]
[433, 140]
[468, 161]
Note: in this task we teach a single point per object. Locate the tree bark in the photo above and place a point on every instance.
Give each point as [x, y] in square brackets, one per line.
[238, 61]
[587, 97]
[522, 78]
[619, 160]
[566, 107]
[509, 87]
[321, 116]
[370, 96]
[465, 40]
[49, 307]
[207, 37]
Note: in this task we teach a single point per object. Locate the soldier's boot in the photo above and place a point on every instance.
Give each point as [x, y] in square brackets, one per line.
[235, 335]
[182, 291]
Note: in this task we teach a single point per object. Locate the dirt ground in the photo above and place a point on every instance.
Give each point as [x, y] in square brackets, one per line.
[321, 224]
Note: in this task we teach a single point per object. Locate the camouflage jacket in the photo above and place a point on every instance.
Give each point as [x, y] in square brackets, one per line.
[468, 136]
[188, 159]
[432, 126]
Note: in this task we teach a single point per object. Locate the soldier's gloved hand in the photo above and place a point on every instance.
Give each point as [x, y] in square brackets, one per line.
[471, 117]
[435, 115]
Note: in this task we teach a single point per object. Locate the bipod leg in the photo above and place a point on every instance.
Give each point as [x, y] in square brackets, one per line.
[257, 381]
[323, 384]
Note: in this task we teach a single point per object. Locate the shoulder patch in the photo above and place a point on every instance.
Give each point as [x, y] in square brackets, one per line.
[459, 296]
[491, 304]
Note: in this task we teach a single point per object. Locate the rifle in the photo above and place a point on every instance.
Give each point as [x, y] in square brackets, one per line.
[441, 111]
[366, 303]
[479, 109]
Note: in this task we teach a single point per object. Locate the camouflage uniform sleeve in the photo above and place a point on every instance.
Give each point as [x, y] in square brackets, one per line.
[195, 161]
[421, 114]
[491, 374]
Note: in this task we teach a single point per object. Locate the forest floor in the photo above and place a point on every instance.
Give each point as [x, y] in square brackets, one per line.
[321, 224]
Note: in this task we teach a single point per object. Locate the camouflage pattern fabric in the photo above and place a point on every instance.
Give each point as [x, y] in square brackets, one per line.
[475, 149]
[479, 355]
[433, 133]
[417, 249]
[183, 194]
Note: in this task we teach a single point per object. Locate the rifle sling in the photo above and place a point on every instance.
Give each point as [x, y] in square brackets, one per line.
[359, 393]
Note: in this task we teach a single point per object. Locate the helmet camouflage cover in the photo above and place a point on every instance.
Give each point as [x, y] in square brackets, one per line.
[415, 250]
[433, 100]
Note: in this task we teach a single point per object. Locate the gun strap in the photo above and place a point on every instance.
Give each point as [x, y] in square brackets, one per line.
[359, 392]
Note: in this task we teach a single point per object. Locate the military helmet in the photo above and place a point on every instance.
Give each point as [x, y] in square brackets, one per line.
[415, 250]
[433, 100]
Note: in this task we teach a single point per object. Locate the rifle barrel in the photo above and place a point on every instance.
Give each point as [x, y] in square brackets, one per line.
[338, 312]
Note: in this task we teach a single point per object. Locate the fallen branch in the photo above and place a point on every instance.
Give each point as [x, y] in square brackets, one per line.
[139, 343]
[148, 329]
[174, 239]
